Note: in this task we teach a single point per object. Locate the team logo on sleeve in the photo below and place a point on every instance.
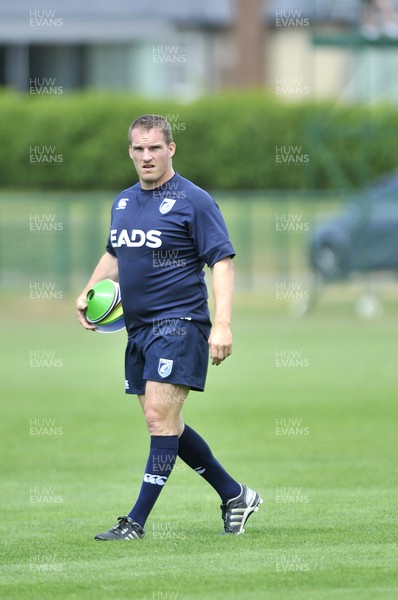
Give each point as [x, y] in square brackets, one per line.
[166, 205]
[165, 367]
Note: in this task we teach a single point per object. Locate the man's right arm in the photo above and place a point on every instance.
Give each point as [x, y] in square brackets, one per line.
[105, 269]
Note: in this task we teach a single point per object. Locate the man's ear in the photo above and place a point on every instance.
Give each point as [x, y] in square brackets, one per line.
[131, 151]
[172, 148]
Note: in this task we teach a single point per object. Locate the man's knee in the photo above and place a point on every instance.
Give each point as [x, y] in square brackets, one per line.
[162, 406]
[160, 424]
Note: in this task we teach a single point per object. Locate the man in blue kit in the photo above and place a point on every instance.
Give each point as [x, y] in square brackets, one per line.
[164, 229]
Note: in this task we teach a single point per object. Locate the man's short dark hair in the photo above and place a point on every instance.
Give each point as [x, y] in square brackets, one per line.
[149, 122]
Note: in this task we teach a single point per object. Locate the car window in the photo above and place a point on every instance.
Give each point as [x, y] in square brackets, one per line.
[385, 192]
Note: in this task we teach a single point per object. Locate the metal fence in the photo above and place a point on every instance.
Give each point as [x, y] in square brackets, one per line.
[53, 240]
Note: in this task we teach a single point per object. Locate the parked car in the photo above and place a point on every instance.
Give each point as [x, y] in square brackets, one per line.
[362, 238]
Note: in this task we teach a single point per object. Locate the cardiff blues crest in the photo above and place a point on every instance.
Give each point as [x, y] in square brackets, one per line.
[165, 367]
[166, 205]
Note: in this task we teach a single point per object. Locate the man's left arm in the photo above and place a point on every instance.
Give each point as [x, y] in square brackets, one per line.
[220, 340]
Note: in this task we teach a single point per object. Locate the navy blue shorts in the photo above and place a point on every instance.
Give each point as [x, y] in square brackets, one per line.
[171, 351]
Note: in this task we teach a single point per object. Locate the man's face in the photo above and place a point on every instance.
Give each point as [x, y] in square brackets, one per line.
[152, 157]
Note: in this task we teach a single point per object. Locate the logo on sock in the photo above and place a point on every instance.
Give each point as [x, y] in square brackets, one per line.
[200, 470]
[155, 479]
[165, 367]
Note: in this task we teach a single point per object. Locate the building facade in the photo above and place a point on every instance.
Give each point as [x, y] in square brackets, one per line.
[183, 49]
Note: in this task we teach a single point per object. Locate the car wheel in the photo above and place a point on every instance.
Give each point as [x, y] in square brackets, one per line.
[328, 262]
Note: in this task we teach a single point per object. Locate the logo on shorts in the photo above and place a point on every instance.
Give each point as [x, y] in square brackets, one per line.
[165, 367]
[166, 205]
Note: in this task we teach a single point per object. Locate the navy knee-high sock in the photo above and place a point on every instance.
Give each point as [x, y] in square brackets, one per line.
[194, 451]
[161, 460]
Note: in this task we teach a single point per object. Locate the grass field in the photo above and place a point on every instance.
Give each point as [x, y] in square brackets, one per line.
[304, 411]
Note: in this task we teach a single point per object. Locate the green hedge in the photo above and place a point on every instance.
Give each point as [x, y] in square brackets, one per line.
[224, 142]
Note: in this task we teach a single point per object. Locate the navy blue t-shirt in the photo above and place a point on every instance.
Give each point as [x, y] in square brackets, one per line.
[162, 238]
